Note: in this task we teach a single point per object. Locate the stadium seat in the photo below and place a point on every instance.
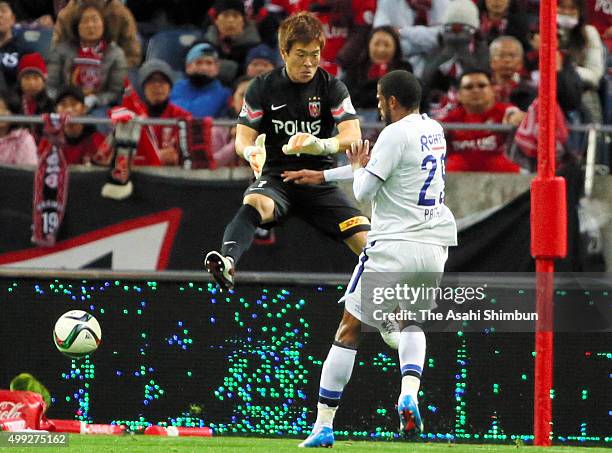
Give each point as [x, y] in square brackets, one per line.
[172, 46]
[37, 40]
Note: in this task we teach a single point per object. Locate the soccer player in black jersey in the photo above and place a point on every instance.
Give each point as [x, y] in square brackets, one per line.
[287, 120]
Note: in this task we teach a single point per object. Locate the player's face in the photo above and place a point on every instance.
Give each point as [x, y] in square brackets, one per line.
[383, 107]
[302, 61]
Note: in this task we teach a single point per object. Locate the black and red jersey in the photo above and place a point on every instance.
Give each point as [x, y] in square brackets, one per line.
[276, 106]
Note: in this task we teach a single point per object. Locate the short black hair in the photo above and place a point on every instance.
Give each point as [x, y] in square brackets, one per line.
[472, 71]
[404, 86]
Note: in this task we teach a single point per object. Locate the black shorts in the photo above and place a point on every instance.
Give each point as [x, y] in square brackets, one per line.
[324, 206]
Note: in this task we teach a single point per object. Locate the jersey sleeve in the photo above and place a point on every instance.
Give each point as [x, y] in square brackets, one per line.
[252, 107]
[386, 155]
[340, 102]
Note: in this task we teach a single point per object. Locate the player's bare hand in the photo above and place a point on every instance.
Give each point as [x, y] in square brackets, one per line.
[359, 153]
[304, 177]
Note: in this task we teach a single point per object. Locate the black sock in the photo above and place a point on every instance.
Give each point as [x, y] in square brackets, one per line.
[239, 232]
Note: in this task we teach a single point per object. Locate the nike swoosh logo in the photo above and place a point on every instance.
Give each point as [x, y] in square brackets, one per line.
[229, 242]
[277, 107]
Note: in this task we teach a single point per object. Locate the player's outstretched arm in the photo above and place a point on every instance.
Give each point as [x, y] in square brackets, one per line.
[344, 173]
[303, 143]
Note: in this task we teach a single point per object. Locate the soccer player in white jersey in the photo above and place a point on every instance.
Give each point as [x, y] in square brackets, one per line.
[411, 231]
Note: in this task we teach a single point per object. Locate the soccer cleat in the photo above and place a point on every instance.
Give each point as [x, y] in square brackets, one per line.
[410, 418]
[323, 437]
[390, 333]
[221, 268]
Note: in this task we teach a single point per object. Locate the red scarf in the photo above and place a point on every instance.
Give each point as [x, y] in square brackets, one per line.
[376, 71]
[50, 182]
[87, 67]
[29, 105]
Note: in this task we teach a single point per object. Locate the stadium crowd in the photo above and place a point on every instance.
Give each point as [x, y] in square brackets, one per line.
[477, 62]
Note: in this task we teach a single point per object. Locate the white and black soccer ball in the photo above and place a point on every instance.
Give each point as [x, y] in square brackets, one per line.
[77, 333]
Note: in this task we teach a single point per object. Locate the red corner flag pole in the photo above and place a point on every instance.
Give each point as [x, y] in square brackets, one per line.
[548, 223]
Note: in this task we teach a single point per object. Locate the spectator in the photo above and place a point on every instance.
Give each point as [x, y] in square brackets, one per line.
[599, 13]
[582, 45]
[158, 145]
[84, 144]
[90, 61]
[461, 47]
[383, 54]
[32, 88]
[17, 146]
[419, 23]
[121, 27]
[201, 93]
[11, 48]
[259, 60]
[503, 17]
[512, 83]
[470, 150]
[223, 138]
[231, 33]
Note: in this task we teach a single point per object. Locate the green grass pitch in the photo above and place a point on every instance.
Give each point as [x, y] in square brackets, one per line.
[150, 444]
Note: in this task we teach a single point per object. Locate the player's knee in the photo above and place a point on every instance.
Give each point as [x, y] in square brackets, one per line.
[264, 205]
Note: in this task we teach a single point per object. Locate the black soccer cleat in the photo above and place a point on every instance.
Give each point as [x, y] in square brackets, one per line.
[221, 268]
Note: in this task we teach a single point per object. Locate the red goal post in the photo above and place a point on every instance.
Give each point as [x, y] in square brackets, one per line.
[548, 224]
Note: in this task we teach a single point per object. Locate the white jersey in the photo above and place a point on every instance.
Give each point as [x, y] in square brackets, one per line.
[409, 156]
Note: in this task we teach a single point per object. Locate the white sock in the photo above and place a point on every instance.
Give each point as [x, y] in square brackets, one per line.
[411, 351]
[335, 374]
[325, 416]
[410, 386]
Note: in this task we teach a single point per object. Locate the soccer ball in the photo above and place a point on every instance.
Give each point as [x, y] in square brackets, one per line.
[77, 334]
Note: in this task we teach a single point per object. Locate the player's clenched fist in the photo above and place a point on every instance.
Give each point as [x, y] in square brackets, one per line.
[304, 143]
[256, 154]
